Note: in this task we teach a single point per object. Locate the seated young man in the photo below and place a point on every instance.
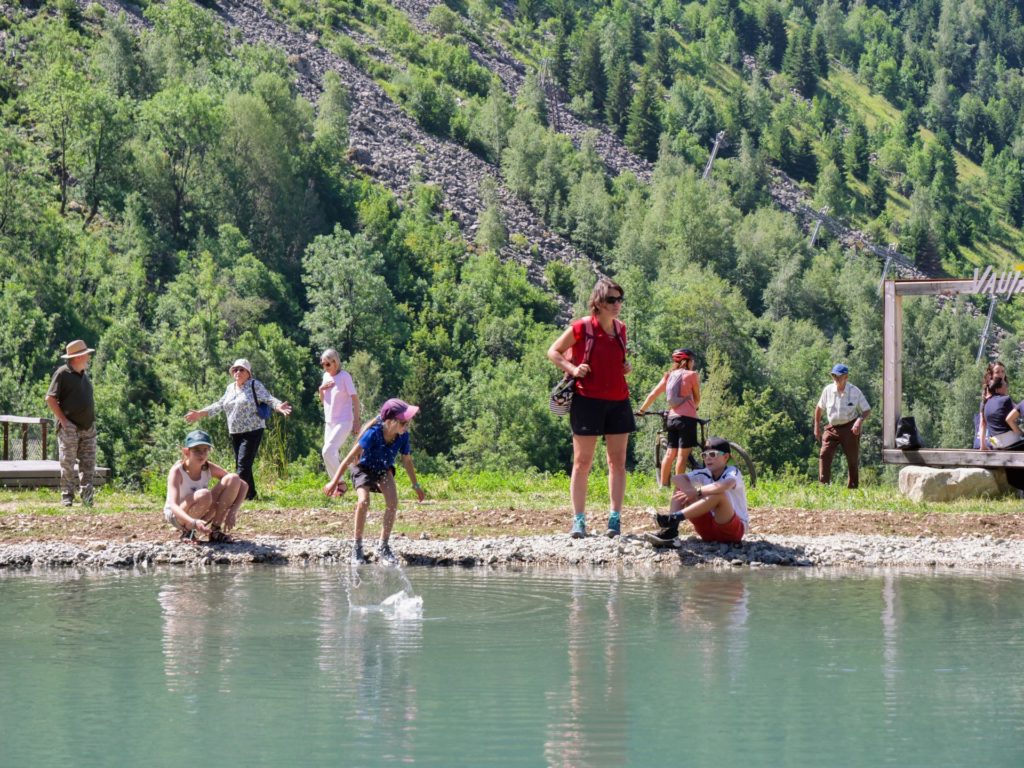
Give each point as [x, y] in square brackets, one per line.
[713, 499]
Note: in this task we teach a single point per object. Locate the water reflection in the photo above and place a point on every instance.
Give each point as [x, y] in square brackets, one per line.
[202, 621]
[590, 722]
[368, 638]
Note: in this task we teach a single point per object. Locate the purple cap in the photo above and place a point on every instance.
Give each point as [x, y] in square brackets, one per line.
[398, 409]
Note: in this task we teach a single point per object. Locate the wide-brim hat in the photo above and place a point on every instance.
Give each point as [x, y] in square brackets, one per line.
[77, 348]
[241, 363]
[398, 409]
[198, 437]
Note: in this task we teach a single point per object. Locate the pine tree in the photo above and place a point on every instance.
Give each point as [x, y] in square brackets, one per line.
[588, 72]
[644, 119]
[616, 108]
[855, 151]
[878, 192]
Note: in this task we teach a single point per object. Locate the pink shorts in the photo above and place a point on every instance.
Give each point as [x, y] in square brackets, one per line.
[709, 530]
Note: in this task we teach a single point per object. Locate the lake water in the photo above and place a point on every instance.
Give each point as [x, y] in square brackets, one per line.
[447, 667]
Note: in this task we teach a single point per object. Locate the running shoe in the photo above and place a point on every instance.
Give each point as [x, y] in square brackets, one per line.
[358, 558]
[385, 555]
[614, 525]
[579, 527]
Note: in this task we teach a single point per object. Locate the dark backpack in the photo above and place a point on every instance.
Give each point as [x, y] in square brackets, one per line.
[907, 437]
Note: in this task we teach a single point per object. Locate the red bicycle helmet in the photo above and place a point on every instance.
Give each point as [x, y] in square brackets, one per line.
[678, 355]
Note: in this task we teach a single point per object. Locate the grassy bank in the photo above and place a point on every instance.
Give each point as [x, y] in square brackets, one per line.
[523, 492]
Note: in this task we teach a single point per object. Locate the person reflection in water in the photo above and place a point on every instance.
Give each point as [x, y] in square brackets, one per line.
[589, 718]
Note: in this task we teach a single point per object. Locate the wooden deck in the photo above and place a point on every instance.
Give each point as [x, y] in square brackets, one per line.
[39, 474]
[944, 457]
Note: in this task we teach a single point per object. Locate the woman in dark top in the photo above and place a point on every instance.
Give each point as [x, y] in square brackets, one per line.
[593, 351]
[1001, 416]
[993, 371]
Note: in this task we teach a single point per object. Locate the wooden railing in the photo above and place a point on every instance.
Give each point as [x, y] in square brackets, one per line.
[10, 425]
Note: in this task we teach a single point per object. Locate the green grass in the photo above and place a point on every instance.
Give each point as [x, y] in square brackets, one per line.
[527, 491]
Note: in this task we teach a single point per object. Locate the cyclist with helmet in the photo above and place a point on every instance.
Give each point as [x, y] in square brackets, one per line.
[681, 385]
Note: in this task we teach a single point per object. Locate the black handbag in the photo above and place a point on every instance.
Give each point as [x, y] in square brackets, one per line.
[907, 437]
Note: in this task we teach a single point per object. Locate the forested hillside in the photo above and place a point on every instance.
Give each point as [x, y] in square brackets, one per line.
[430, 188]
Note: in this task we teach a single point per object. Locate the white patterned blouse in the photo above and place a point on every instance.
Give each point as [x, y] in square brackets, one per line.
[240, 407]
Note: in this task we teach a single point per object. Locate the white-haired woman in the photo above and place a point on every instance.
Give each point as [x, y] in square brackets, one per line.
[245, 426]
[341, 408]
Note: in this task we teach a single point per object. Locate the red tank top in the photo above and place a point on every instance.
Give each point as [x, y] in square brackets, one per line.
[607, 379]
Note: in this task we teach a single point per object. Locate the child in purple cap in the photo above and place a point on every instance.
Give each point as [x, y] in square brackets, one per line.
[372, 460]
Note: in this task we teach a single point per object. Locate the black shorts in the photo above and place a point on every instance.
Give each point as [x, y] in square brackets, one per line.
[682, 432]
[591, 417]
[364, 477]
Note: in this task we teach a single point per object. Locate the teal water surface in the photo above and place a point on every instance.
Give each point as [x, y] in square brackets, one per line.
[281, 666]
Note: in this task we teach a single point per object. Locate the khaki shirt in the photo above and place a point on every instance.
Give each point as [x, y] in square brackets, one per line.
[842, 409]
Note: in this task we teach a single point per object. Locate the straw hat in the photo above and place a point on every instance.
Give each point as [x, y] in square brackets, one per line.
[77, 348]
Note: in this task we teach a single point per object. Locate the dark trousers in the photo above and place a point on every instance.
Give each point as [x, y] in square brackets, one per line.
[246, 445]
[834, 437]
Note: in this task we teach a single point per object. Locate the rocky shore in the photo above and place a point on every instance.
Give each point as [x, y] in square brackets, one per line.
[627, 552]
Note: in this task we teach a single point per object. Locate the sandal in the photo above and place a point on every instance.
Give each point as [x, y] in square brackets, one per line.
[219, 537]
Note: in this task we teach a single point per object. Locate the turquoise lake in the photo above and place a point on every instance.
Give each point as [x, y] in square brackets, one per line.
[287, 666]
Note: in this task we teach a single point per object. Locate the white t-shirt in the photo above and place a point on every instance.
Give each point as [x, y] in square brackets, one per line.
[737, 494]
[842, 409]
[338, 399]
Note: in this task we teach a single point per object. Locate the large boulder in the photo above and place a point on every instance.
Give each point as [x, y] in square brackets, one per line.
[946, 484]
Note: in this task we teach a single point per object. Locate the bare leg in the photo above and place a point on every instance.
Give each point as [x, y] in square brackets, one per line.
[362, 506]
[583, 447]
[200, 505]
[719, 505]
[390, 492]
[615, 447]
[228, 496]
[666, 465]
[684, 454]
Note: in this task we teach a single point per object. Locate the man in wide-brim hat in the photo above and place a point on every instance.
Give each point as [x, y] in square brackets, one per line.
[71, 400]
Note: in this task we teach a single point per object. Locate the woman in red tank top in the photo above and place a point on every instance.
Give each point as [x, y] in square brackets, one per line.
[593, 351]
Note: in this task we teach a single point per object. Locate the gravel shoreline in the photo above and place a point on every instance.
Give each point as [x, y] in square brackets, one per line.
[627, 552]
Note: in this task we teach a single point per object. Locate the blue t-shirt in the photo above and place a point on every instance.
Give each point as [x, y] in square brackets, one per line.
[379, 455]
[997, 408]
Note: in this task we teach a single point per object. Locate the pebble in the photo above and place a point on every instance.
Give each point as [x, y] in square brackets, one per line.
[627, 552]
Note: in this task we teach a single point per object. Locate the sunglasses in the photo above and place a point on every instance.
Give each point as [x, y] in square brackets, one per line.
[237, 370]
[614, 299]
[711, 454]
[326, 364]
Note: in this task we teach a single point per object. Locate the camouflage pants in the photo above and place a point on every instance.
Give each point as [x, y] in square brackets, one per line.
[77, 446]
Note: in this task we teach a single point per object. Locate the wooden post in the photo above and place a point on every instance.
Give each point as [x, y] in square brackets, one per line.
[892, 362]
[45, 425]
[24, 442]
[7, 443]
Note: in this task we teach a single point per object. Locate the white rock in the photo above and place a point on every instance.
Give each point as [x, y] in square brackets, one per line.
[933, 484]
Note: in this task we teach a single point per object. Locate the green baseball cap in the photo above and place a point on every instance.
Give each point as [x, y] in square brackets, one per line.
[198, 437]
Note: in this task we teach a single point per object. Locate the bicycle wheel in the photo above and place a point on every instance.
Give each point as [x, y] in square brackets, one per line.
[742, 459]
[660, 449]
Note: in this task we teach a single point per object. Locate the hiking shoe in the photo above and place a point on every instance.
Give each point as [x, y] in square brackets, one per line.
[358, 558]
[659, 541]
[579, 527]
[65, 502]
[385, 555]
[614, 526]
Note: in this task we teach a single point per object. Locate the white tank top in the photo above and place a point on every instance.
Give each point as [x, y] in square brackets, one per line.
[190, 486]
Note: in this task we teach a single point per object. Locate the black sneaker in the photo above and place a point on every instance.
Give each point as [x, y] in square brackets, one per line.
[385, 555]
[358, 558]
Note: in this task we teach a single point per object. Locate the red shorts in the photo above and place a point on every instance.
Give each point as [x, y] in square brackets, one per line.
[709, 530]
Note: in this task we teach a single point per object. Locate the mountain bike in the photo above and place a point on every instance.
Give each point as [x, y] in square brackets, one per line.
[740, 456]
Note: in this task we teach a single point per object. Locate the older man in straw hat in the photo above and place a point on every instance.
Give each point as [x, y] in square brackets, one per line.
[70, 398]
